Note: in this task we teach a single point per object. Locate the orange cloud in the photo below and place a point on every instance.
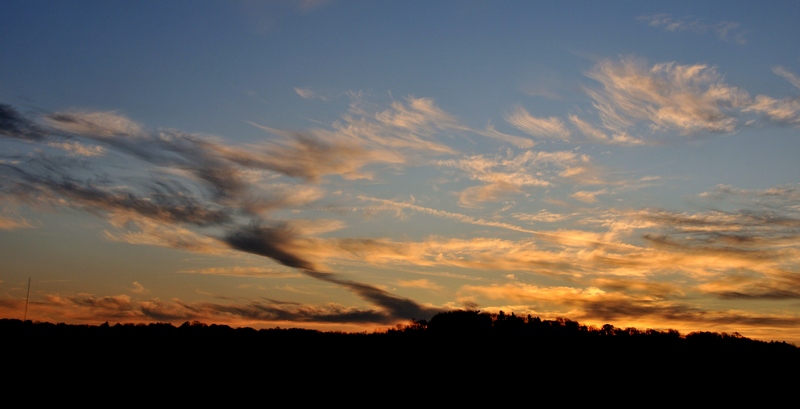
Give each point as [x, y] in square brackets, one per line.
[552, 127]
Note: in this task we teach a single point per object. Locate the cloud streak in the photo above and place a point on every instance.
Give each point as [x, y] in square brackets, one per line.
[123, 308]
[725, 30]
[783, 72]
[163, 209]
[275, 243]
[551, 127]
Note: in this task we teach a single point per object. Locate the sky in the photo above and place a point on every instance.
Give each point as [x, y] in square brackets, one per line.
[354, 165]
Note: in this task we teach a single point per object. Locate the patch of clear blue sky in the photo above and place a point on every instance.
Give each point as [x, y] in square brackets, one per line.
[192, 64]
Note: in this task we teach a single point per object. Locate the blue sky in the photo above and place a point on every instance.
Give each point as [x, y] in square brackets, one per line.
[351, 165]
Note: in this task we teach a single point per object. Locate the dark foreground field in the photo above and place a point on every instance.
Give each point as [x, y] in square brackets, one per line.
[459, 345]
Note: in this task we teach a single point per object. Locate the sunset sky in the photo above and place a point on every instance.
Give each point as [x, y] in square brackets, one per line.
[351, 165]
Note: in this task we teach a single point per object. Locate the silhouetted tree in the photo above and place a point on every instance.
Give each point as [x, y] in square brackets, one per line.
[460, 322]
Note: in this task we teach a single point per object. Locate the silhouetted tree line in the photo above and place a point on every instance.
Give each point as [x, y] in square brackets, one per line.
[464, 325]
[453, 342]
[561, 333]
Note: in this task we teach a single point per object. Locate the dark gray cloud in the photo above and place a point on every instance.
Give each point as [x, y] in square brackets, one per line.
[330, 314]
[15, 125]
[11, 304]
[761, 293]
[276, 243]
[120, 307]
[697, 246]
[269, 242]
[610, 310]
[165, 148]
[166, 201]
[615, 309]
[398, 307]
[762, 231]
[751, 251]
[107, 302]
[783, 285]
[723, 221]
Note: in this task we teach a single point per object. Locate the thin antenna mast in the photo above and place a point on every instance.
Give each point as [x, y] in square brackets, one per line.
[25, 317]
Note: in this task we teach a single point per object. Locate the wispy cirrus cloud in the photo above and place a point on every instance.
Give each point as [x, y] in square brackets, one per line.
[78, 149]
[588, 196]
[138, 288]
[504, 175]
[132, 228]
[518, 141]
[543, 215]
[94, 124]
[636, 99]
[240, 271]
[791, 77]
[495, 191]
[313, 155]
[422, 283]
[366, 136]
[10, 218]
[776, 287]
[11, 223]
[556, 253]
[123, 308]
[551, 127]
[597, 135]
[786, 111]
[308, 93]
[750, 253]
[724, 30]
[395, 206]
[785, 197]
[666, 96]
[419, 115]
